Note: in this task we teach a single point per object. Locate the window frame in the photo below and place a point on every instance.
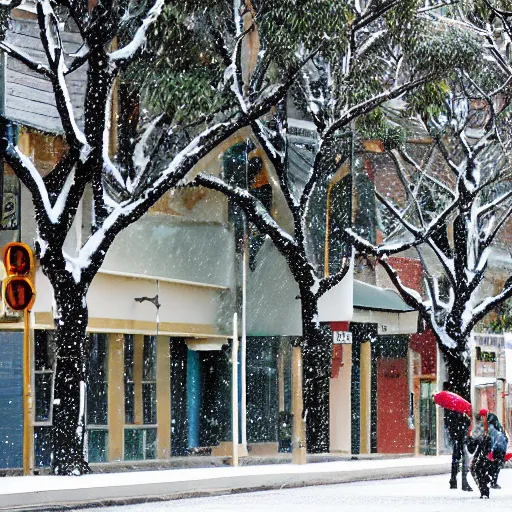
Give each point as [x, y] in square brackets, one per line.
[45, 371]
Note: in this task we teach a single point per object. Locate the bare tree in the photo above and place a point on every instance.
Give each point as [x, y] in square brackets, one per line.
[456, 198]
[161, 157]
[386, 51]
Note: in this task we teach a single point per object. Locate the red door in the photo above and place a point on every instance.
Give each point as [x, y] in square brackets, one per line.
[393, 433]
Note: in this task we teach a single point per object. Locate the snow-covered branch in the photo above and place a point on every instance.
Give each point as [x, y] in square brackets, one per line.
[125, 55]
[24, 58]
[490, 237]
[253, 208]
[488, 304]
[410, 296]
[278, 158]
[32, 179]
[52, 44]
[326, 283]
[370, 104]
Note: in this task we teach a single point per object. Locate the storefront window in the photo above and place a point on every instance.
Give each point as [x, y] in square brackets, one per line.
[149, 381]
[140, 398]
[97, 398]
[45, 350]
[129, 386]
[44, 372]
[139, 443]
[97, 445]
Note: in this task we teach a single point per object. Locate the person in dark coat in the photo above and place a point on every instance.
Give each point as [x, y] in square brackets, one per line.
[457, 425]
[495, 432]
[481, 467]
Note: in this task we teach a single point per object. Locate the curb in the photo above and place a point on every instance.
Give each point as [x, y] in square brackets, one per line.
[68, 499]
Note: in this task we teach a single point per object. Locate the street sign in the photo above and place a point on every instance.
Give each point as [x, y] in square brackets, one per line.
[342, 337]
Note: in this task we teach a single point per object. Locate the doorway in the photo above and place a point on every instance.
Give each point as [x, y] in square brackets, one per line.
[427, 417]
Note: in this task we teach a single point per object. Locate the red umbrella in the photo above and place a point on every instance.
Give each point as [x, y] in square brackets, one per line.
[453, 402]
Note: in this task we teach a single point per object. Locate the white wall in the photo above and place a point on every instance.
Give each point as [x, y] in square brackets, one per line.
[113, 297]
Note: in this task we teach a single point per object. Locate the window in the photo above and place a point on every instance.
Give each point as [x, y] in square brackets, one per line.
[129, 386]
[140, 382]
[44, 371]
[97, 398]
[45, 352]
[139, 443]
[149, 381]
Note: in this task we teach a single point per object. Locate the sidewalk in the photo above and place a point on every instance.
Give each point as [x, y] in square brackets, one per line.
[50, 493]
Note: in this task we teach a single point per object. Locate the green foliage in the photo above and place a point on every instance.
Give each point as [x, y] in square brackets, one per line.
[181, 72]
[375, 125]
[287, 25]
[503, 320]
[429, 99]
[442, 49]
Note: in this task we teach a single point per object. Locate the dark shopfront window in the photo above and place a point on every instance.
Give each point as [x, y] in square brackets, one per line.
[129, 386]
[44, 372]
[149, 381]
[140, 441]
[97, 398]
[262, 389]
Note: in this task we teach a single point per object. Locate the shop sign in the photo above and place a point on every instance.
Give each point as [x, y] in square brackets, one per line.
[342, 337]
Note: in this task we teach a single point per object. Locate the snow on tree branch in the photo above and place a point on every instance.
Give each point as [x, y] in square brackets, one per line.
[24, 58]
[33, 180]
[253, 208]
[123, 56]
[329, 282]
[487, 305]
[52, 43]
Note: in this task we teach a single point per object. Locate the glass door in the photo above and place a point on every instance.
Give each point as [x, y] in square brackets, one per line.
[427, 418]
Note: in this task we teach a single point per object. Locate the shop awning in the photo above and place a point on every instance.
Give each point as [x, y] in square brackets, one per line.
[367, 296]
[385, 308]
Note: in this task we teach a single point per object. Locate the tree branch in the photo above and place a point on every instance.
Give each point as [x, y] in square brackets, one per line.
[124, 56]
[24, 58]
[326, 283]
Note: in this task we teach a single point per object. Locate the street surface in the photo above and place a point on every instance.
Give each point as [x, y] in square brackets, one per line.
[420, 494]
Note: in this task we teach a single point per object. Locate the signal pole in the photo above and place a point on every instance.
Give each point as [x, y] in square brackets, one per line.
[28, 403]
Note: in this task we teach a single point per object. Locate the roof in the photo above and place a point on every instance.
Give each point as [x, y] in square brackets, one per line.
[29, 97]
[367, 296]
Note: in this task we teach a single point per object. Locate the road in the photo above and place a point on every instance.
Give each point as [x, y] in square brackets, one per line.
[421, 494]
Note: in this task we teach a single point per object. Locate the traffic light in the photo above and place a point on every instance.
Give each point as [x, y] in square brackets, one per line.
[18, 289]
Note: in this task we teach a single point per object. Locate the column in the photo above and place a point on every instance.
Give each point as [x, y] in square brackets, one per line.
[115, 396]
[365, 390]
[163, 397]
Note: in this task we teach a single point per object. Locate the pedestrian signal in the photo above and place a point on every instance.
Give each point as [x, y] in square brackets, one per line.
[18, 289]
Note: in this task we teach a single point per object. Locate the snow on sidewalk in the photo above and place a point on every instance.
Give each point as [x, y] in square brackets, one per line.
[34, 484]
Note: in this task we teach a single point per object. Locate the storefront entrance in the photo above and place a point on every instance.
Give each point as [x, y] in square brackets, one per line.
[427, 418]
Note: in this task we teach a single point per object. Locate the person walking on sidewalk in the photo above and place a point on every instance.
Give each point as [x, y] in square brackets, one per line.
[457, 425]
[498, 444]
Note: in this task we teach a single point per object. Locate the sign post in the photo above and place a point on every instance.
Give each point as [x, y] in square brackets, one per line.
[18, 293]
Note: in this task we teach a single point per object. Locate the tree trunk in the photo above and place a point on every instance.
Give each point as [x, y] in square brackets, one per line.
[458, 367]
[317, 355]
[68, 426]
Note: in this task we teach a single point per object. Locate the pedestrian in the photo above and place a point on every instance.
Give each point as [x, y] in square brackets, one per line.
[499, 444]
[489, 447]
[457, 425]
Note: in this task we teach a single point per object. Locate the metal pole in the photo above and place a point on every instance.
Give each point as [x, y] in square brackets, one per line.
[243, 352]
[28, 438]
[234, 391]
[298, 427]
